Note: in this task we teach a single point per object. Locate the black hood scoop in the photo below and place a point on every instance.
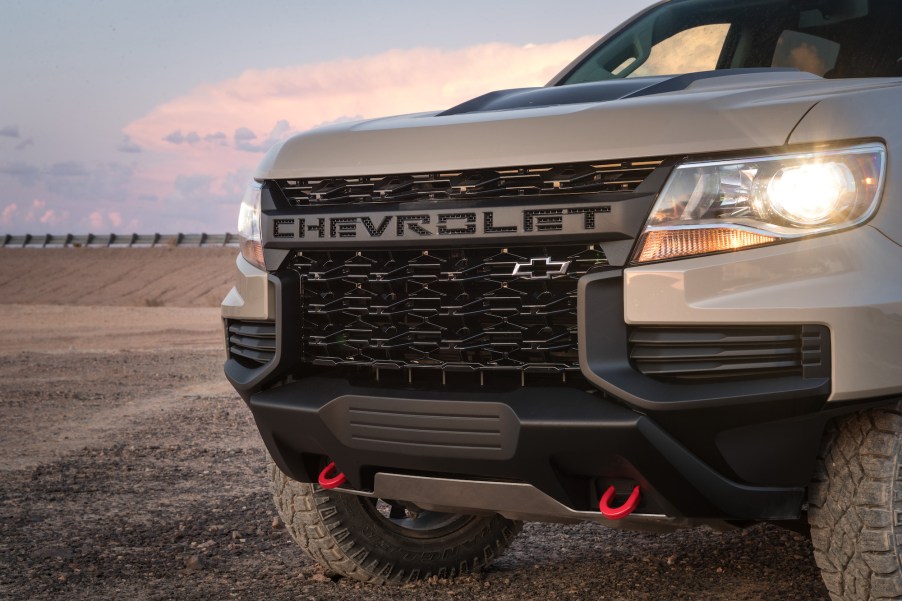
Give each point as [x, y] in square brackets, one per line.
[603, 91]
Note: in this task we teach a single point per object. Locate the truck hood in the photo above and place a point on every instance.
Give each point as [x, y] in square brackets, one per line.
[646, 117]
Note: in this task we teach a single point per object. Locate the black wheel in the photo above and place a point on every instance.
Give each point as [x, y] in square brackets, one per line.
[375, 540]
[855, 507]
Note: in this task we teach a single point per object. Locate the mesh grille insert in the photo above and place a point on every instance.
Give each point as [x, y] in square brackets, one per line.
[466, 310]
[575, 178]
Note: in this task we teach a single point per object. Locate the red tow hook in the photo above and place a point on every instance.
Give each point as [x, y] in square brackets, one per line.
[618, 513]
[330, 482]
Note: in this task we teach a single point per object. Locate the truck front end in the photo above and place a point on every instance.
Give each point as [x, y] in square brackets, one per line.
[649, 302]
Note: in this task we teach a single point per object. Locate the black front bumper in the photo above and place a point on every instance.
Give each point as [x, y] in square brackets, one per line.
[567, 443]
[724, 451]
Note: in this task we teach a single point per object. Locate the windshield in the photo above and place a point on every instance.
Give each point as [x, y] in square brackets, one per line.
[830, 38]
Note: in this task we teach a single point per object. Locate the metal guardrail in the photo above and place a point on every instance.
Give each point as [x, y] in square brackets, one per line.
[117, 240]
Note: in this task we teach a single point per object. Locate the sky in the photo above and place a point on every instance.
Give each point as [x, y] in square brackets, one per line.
[122, 116]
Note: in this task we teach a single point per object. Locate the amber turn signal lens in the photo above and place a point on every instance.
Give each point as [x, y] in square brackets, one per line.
[252, 251]
[662, 245]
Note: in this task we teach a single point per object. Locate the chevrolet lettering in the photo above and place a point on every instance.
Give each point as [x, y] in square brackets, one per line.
[572, 219]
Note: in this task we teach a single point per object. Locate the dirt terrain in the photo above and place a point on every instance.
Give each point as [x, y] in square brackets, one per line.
[142, 277]
[130, 470]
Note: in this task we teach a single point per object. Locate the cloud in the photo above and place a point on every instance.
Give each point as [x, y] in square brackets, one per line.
[91, 183]
[38, 212]
[9, 131]
[67, 181]
[32, 215]
[218, 138]
[24, 173]
[71, 181]
[52, 217]
[97, 221]
[101, 221]
[243, 134]
[68, 169]
[128, 146]
[177, 137]
[25, 144]
[187, 185]
[113, 197]
[28, 172]
[8, 213]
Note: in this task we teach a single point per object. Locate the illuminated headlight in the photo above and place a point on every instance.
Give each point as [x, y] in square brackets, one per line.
[249, 238]
[722, 206]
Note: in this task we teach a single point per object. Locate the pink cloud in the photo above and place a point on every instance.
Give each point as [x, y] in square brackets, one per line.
[97, 221]
[37, 208]
[9, 211]
[37, 212]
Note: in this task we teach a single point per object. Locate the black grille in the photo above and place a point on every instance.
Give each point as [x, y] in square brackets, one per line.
[576, 178]
[252, 343]
[467, 310]
[712, 353]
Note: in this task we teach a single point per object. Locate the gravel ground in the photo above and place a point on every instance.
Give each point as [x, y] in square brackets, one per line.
[139, 475]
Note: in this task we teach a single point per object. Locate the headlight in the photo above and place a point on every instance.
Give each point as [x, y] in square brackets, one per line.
[249, 238]
[722, 206]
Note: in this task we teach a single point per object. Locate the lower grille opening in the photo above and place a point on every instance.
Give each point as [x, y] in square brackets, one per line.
[693, 354]
[252, 343]
[437, 379]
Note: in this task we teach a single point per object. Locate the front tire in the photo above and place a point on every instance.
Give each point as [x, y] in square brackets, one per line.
[855, 507]
[381, 542]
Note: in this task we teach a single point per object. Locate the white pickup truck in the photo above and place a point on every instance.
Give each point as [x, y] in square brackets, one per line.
[664, 290]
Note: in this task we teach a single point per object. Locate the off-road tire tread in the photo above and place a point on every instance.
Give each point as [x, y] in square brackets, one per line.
[315, 522]
[855, 506]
